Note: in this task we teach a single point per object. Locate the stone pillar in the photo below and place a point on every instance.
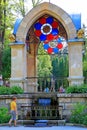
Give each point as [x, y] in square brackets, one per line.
[18, 65]
[32, 68]
[75, 62]
[31, 73]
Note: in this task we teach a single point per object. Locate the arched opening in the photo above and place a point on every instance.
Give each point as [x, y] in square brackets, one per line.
[33, 42]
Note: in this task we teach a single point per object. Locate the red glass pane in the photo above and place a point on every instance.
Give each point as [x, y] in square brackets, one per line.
[37, 33]
[50, 50]
[50, 37]
[59, 46]
[42, 20]
[55, 24]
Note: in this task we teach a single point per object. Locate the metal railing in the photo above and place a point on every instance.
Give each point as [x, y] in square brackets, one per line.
[48, 84]
[41, 112]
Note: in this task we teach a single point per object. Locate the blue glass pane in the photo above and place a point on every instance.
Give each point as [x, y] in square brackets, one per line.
[49, 20]
[46, 46]
[55, 31]
[37, 26]
[43, 37]
[55, 50]
[59, 40]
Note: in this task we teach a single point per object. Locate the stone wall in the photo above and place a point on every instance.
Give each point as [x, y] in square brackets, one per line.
[66, 101]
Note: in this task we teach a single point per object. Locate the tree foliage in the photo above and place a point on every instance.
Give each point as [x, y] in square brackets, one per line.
[36, 2]
[18, 7]
[85, 58]
[60, 66]
[6, 63]
[4, 116]
[79, 114]
[52, 65]
[44, 63]
[9, 11]
[6, 24]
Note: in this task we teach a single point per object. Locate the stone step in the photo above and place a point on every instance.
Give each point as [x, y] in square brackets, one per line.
[42, 122]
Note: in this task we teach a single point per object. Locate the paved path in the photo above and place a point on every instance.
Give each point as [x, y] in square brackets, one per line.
[42, 128]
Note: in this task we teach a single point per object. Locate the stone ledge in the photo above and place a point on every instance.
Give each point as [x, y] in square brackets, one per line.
[59, 95]
[79, 125]
[62, 122]
[26, 122]
[62, 95]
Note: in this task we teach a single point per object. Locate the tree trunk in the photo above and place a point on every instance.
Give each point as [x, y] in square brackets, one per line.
[2, 28]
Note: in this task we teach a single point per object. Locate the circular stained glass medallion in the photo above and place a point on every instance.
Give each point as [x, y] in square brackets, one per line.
[46, 28]
[55, 45]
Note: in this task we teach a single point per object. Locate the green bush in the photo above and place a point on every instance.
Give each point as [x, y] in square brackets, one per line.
[5, 90]
[4, 116]
[77, 89]
[11, 90]
[79, 114]
[16, 90]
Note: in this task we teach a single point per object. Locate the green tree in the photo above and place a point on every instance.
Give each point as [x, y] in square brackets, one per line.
[60, 70]
[36, 2]
[44, 63]
[6, 24]
[60, 66]
[85, 58]
[18, 6]
[6, 63]
[2, 27]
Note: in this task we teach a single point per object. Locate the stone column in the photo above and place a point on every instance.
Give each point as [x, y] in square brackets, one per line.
[75, 62]
[18, 64]
[32, 68]
[31, 73]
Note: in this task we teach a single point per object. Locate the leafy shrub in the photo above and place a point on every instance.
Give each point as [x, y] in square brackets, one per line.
[10, 90]
[16, 90]
[4, 116]
[5, 90]
[77, 89]
[79, 114]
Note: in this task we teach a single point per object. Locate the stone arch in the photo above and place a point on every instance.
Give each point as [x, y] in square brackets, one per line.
[38, 11]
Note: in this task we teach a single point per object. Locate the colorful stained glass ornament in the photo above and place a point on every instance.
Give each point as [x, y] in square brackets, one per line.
[46, 28]
[55, 45]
